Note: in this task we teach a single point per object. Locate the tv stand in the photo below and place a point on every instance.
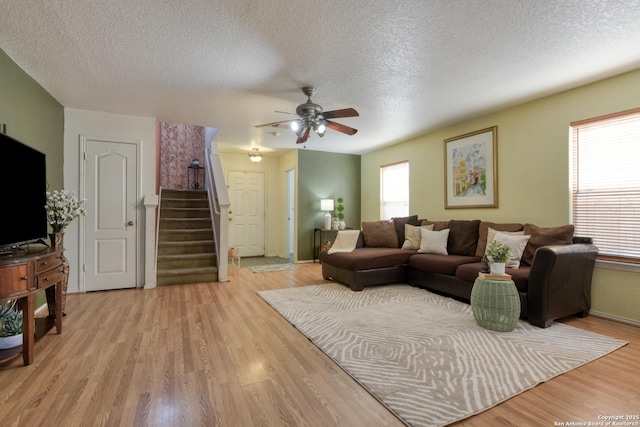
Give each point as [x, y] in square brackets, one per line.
[22, 275]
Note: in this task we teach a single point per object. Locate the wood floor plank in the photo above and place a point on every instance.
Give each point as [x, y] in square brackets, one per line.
[215, 354]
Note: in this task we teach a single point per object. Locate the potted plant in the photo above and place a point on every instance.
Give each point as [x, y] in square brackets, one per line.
[498, 254]
[10, 325]
[340, 209]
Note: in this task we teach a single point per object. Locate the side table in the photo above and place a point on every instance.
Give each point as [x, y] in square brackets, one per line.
[495, 304]
[317, 246]
[195, 171]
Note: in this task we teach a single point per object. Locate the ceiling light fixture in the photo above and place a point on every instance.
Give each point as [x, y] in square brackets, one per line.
[319, 128]
[255, 155]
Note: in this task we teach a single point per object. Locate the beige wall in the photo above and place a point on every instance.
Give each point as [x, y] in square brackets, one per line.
[533, 174]
[106, 125]
[274, 195]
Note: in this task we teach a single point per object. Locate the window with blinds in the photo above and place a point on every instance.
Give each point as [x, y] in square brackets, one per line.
[605, 182]
[394, 190]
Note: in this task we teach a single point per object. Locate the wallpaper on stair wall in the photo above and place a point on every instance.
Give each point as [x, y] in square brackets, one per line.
[179, 145]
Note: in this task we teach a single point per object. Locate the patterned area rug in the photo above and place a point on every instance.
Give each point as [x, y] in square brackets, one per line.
[272, 267]
[423, 356]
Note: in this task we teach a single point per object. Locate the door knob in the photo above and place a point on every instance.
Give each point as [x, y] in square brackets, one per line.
[130, 223]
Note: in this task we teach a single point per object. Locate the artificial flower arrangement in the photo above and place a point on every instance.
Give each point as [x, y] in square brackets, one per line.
[63, 207]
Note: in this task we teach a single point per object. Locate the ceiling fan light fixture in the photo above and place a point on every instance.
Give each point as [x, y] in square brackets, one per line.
[312, 116]
[255, 155]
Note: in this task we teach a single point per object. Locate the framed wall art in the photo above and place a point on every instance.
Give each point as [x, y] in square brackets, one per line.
[471, 170]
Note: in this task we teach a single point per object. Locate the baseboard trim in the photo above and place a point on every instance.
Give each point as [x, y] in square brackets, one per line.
[41, 309]
[619, 319]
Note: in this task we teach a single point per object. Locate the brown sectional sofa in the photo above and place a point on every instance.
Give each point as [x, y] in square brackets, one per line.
[553, 279]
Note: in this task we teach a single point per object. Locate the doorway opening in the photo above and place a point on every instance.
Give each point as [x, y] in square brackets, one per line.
[290, 215]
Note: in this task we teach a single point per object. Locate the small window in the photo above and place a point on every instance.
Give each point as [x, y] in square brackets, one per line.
[394, 190]
[605, 163]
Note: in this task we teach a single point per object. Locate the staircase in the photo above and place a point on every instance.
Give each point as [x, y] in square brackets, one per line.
[186, 249]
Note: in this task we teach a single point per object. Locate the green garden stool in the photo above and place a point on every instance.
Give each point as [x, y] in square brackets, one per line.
[495, 304]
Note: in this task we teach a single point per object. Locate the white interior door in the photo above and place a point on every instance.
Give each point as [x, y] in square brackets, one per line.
[290, 224]
[111, 224]
[247, 212]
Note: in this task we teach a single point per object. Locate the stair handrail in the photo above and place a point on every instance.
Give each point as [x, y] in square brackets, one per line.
[219, 207]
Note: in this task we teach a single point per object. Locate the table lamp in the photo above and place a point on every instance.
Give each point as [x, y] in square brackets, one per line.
[327, 205]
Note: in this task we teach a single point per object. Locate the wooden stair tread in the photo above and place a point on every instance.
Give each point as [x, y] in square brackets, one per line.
[186, 242]
[181, 271]
[188, 256]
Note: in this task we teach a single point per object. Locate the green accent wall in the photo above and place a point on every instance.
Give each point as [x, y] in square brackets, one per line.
[33, 117]
[324, 175]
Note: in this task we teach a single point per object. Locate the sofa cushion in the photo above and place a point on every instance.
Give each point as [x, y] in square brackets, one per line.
[562, 235]
[443, 264]
[399, 224]
[380, 234]
[484, 229]
[516, 244]
[413, 236]
[433, 242]
[437, 225]
[368, 258]
[463, 238]
[469, 273]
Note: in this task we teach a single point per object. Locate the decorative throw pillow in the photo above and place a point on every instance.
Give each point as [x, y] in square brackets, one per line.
[413, 236]
[516, 243]
[491, 234]
[484, 227]
[463, 237]
[434, 242]
[437, 225]
[346, 241]
[379, 234]
[399, 224]
[562, 235]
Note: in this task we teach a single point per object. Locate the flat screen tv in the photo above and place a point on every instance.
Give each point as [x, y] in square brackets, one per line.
[23, 188]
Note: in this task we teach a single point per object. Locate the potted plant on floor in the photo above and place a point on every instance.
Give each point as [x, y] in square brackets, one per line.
[498, 254]
[10, 325]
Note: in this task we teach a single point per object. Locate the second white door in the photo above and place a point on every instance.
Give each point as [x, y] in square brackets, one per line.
[247, 212]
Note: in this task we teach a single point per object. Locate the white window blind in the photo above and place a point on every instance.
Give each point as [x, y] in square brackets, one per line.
[605, 163]
[394, 190]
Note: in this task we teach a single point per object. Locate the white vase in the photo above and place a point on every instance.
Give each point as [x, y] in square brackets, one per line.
[342, 225]
[10, 342]
[497, 267]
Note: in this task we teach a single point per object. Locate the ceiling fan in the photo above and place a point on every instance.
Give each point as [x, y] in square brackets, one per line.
[311, 117]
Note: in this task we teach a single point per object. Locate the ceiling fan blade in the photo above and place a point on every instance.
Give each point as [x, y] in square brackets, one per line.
[286, 112]
[341, 128]
[303, 138]
[282, 124]
[336, 114]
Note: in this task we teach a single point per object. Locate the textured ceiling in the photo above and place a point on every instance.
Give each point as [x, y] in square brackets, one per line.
[408, 67]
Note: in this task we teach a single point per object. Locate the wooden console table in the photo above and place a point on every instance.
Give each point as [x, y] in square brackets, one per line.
[22, 275]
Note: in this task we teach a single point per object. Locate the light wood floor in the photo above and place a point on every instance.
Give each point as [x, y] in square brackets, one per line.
[216, 354]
